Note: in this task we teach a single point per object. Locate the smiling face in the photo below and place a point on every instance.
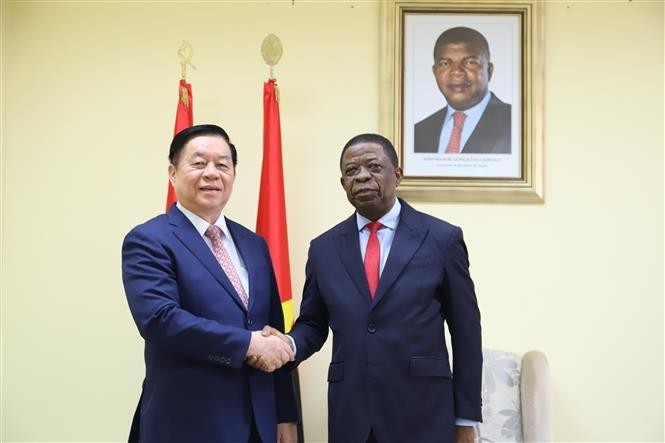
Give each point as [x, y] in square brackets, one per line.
[369, 179]
[203, 176]
[462, 71]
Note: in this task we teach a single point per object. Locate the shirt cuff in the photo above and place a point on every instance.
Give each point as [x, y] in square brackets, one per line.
[465, 422]
[293, 345]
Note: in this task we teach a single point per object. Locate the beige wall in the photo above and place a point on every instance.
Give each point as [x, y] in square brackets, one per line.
[88, 100]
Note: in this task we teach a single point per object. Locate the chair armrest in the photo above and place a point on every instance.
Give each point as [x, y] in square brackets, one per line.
[536, 396]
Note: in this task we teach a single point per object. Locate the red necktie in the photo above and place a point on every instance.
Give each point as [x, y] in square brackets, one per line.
[222, 256]
[372, 257]
[456, 135]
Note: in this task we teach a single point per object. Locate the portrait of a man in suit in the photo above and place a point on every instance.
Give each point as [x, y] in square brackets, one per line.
[474, 120]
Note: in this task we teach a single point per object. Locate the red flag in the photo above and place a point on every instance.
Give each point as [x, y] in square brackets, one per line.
[183, 119]
[271, 216]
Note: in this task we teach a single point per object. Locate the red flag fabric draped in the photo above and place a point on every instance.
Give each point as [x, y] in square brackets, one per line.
[183, 119]
[271, 216]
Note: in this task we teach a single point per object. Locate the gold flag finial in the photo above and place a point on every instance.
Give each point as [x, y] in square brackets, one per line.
[185, 52]
[184, 96]
[271, 50]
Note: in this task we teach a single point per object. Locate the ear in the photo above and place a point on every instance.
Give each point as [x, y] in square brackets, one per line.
[171, 173]
[490, 70]
[341, 182]
[398, 175]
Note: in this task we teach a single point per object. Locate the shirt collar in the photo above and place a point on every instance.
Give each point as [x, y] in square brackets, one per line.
[478, 109]
[201, 225]
[389, 220]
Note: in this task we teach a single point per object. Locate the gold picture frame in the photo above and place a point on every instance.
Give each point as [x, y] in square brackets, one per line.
[407, 81]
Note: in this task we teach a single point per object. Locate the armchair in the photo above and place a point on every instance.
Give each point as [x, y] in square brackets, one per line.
[516, 397]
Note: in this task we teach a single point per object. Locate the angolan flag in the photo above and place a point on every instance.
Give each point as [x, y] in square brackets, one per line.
[271, 216]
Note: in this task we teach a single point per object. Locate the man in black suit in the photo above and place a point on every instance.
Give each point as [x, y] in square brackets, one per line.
[474, 121]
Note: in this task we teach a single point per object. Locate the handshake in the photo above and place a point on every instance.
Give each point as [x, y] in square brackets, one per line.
[269, 350]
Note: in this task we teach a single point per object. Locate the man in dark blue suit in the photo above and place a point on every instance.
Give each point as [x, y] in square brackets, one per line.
[386, 290]
[200, 288]
[474, 121]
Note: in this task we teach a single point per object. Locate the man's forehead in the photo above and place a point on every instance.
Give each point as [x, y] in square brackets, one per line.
[200, 153]
[469, 47]
[363, 151]
[203, 138]
[203, 141]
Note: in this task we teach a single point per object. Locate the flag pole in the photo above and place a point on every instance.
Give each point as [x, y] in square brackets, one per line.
[271, 214]
[185, 53]
[184, 116]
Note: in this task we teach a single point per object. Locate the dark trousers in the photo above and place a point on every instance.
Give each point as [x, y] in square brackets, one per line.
[254, 434]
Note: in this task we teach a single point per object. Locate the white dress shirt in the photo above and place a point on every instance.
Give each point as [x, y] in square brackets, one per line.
[473, 115]
[201, 226]
[386, 233]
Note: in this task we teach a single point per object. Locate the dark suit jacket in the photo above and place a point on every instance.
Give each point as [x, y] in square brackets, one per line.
[389, 369]
[197, 386]
[490, 136]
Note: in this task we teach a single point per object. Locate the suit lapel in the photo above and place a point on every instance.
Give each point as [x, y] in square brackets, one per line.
[408, 238]
[481, 137]
[485, 136]
[436, 135]
[348, 249]
[189, 236]
[247, 254]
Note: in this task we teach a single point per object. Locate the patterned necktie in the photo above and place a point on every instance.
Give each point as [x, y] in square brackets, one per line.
[456, 135]
[222, 256]
[372, 257]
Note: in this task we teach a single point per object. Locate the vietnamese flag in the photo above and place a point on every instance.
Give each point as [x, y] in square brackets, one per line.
[183, 119]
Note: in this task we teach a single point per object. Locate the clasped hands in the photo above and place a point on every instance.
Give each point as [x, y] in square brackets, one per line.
[269, 350]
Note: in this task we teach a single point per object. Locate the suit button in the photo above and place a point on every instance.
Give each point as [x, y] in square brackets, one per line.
[250, 322]
[371, 328]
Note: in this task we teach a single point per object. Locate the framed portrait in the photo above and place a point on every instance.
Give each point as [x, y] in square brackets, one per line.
[461, 98]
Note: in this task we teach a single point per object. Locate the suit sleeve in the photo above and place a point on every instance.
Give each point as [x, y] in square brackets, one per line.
[151, 287]
[287, 408]
[311, 328]
[460, 309]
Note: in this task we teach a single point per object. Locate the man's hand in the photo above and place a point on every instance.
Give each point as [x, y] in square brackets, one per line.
[465, 434]
[269, 330]
[268, 352]
[287, 433]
